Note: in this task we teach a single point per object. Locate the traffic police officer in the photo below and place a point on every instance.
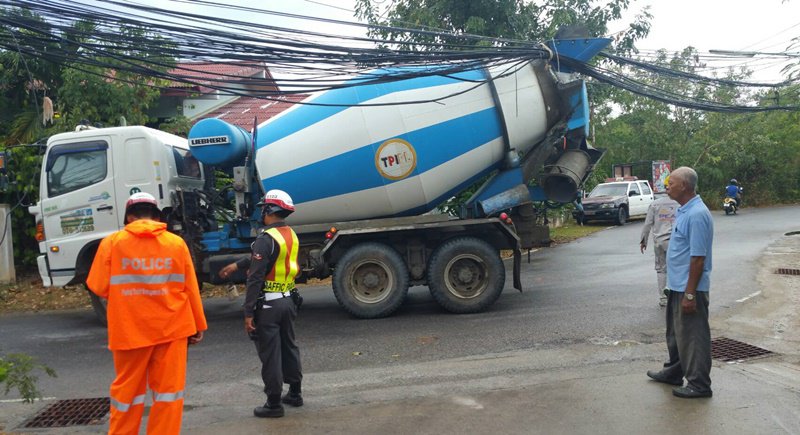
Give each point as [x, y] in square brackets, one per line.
[271, 303]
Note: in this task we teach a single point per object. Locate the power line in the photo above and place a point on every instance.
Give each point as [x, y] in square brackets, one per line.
[123, 39]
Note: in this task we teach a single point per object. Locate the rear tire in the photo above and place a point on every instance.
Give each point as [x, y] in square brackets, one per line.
[370, 281]
[100, 307]
[466, 275]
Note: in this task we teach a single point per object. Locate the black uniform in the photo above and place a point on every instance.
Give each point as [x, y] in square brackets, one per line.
[274, 319]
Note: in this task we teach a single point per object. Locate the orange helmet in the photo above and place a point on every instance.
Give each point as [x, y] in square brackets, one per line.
[277, 202]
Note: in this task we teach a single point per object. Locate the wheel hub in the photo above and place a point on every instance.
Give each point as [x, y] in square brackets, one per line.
[369, 282]
[466, 276]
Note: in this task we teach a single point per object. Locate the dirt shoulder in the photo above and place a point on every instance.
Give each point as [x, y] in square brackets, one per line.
[29, 295]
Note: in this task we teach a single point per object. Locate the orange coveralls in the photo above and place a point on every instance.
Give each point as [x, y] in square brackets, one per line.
[154, 305]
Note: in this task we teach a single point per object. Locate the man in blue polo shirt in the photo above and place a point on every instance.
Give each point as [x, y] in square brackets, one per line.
[688, 280]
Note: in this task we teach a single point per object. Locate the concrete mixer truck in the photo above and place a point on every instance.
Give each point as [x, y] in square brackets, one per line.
[364, 170]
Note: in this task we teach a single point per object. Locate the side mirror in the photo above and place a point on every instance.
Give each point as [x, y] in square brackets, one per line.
[633, 193]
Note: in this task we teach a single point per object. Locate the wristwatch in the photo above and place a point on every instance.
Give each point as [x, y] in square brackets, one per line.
[689, 297]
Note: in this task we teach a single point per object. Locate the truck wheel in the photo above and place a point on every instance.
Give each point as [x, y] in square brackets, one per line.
[370, 281]
[622, 216]
[466, 275]
[99, 306]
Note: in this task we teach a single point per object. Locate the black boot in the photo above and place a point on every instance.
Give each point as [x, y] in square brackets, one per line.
[294, 396]
[271, 409]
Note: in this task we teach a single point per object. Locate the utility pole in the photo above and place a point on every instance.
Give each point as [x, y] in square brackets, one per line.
[7, 272]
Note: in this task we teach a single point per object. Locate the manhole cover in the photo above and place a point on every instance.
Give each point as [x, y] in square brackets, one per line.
[783, 271]
[72, 412]
[725, 349]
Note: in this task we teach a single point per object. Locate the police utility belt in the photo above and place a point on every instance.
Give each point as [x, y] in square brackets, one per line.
[276, 290]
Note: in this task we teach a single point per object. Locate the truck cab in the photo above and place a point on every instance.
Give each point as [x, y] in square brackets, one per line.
[87, 176]
[616, 200]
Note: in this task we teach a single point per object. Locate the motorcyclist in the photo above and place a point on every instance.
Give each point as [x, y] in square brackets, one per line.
[733, 190]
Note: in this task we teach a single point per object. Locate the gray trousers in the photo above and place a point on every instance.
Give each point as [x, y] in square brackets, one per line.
[689, 342]
[660, 250]
[275, 344]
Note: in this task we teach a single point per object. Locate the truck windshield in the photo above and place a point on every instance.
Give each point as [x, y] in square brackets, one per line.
[74, 166]
[609, 190]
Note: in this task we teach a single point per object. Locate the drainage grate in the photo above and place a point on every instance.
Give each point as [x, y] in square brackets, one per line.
[783, 271]
[725, 349]
[72, 412]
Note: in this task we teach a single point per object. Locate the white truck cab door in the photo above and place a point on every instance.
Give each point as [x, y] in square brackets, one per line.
[77, 200]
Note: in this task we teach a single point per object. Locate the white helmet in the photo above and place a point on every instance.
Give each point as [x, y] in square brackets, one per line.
[141, 198]
[277, 202]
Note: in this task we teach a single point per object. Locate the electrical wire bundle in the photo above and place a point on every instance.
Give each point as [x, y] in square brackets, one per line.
[620, 80]
[320, 60]
[121, 39]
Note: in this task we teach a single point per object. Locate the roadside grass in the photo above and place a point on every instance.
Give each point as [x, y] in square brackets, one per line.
[28, 294]
[570, 231]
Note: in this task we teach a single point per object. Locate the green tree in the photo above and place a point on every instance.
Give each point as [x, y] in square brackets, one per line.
[78, 91]
[509, 19]
[760, 150]
[178, 126]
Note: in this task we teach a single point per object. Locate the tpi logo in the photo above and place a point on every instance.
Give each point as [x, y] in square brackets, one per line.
[396, 159]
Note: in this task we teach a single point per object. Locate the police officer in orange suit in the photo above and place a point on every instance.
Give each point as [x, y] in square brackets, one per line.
[154, 312]
[271, 303]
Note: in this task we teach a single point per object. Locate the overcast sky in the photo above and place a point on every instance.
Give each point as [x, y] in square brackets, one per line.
[705, 24]
[765, 25]
[744, 25]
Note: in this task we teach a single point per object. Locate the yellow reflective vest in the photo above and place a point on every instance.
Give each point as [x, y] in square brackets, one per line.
[281, 277]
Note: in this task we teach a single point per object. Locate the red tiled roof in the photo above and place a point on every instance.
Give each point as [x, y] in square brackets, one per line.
[241, 111]
[206, 73]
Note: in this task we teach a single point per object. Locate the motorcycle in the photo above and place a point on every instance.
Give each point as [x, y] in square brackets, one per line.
[730, 205]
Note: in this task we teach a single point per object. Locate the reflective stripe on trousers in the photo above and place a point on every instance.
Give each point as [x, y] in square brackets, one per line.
[167, 397]
[123, 407]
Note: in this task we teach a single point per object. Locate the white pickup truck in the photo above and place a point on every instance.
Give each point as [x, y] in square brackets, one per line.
[616, 201]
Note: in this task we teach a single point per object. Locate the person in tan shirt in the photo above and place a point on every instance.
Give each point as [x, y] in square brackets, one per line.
[659, 221]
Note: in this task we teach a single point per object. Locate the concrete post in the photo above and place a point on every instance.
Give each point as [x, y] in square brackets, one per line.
[7, 272]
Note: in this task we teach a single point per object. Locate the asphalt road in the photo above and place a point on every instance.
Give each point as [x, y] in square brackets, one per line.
[592, 291]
